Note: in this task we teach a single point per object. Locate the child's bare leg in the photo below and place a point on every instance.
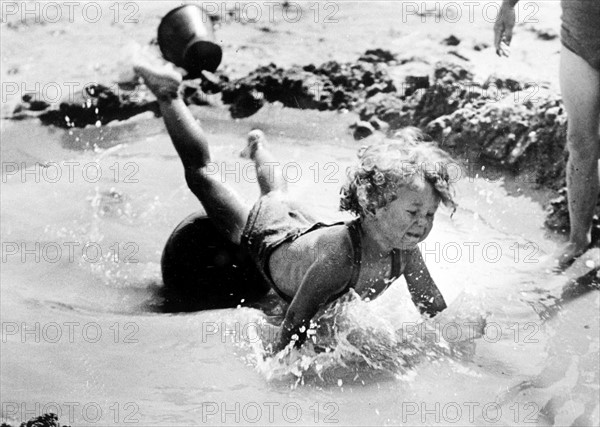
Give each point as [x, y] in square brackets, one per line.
[268, 170]
[222, 204]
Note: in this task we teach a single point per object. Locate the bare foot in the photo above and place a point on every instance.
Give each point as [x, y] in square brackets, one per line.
[256, 139]
[162, 81]
[567, 255]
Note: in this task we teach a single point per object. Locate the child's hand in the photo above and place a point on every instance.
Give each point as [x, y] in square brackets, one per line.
[274, 347]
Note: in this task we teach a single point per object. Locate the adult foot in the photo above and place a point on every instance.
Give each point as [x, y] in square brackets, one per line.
[256, 139]
[567, 256]
[162, 81]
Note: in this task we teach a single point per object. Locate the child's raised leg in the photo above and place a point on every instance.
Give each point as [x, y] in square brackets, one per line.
[222, 204]
[268, 171]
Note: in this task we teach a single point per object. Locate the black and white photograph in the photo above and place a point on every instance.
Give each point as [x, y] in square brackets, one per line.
[342, 213]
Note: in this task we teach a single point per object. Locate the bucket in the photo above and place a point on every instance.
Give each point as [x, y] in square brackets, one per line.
[186, 38]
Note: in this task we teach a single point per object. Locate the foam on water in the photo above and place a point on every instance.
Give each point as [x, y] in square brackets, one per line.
[352, 340]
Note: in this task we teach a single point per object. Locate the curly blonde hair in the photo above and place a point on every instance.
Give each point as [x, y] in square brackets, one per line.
[386, 167]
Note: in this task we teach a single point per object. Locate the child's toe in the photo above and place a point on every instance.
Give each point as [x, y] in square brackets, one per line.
[255, 136]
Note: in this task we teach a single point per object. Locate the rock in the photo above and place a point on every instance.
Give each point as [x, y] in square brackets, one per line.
[480, 46]
[414, 83]
[383, 106]
[418, 82]
[330, 86]
[397, 118]
[557, 217]
[459, 55]
[552, 113]
[377, 55]
[452, 40]
[375, 88]
[362, 130]
[547, 34]
[439, 100]
[46, 420]
[247, 104]
[99, 104]
[543, 33]
[438, 127]
[38, 105]
[507, 83]
[446, 73]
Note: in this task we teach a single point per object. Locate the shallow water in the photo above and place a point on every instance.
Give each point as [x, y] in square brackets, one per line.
[80, 337]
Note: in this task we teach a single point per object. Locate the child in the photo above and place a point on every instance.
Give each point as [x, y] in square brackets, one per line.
[395, 192]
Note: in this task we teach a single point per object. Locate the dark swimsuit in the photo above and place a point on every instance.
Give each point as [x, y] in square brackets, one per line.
[356, 262]
[580, 31]
[274, 221]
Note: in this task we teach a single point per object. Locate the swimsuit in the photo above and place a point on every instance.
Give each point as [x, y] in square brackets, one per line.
[580, 31]
[274, 221]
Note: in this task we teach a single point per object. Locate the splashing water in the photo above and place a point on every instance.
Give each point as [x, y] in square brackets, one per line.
[349, 340]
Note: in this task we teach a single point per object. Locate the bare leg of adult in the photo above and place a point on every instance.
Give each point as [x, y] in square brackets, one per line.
[580, 85]
[223, 205]
[269, 172]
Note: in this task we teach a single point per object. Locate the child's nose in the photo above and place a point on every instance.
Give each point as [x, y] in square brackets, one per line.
[422, 220]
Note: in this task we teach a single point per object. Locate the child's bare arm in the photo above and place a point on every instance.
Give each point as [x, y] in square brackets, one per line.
[424, 292]
[327, 276]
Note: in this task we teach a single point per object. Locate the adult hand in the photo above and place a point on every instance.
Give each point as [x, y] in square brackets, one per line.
[503, 29]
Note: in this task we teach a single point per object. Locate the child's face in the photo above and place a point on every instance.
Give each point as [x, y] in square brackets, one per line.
[409, 219]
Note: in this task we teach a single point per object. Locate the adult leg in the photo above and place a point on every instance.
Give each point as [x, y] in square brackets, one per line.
[268, 170]
[580, 85]
[222, 204]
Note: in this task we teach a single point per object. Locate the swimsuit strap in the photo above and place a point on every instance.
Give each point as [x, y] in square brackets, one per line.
[396, 264]
[357, 247]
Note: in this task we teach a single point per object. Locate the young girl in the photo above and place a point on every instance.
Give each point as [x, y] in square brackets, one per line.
[394, 192]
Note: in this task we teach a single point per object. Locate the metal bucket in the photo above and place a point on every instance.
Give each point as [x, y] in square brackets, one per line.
[186, 38]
